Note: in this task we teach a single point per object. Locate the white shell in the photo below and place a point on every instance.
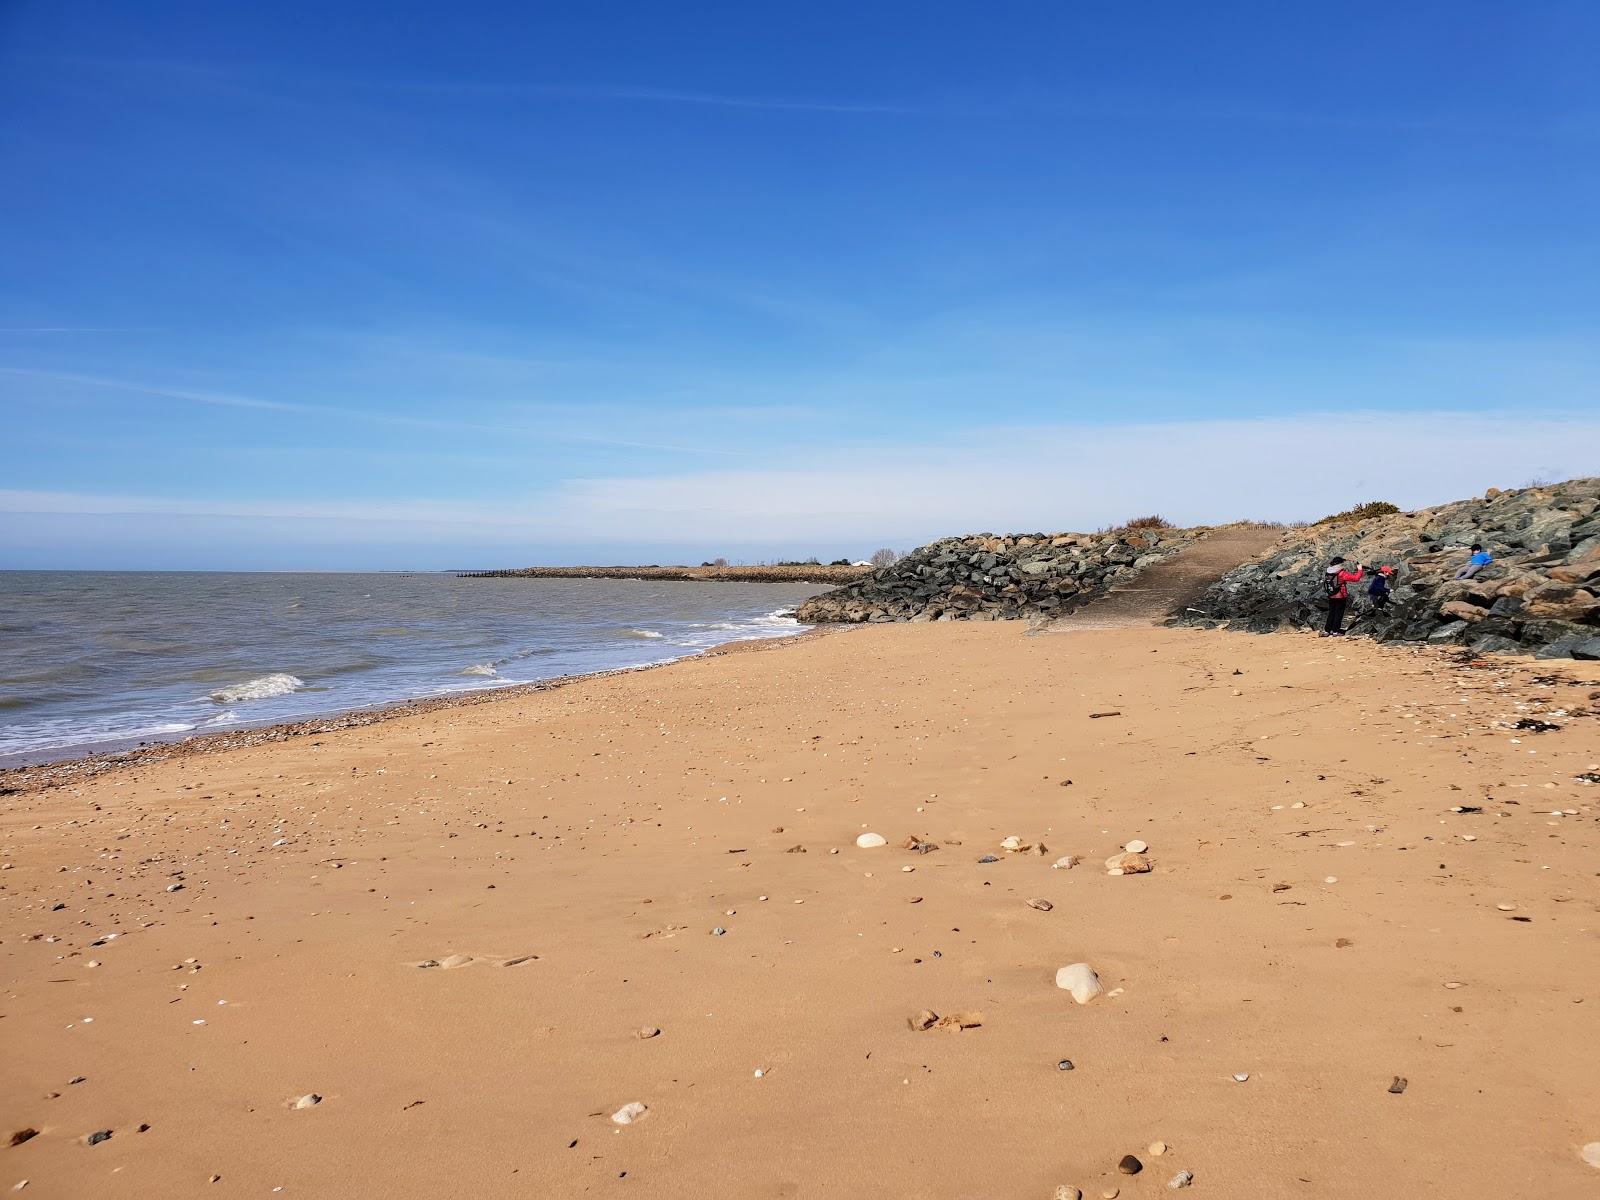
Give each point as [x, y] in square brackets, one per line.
[629, 1113]
[1136, 847]
[1080, 979]
[870, 841]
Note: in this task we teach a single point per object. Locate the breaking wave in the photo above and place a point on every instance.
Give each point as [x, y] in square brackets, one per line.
[263, 688]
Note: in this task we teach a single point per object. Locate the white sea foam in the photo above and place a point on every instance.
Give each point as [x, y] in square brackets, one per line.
[479, 669]
[263, 688]
[640, 633]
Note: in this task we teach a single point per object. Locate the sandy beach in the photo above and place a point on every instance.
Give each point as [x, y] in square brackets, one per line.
[1362, 875]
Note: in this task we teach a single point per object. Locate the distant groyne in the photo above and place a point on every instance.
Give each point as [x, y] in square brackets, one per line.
[778, 573]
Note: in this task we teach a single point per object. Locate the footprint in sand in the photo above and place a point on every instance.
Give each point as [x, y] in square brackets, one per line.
[450, 961]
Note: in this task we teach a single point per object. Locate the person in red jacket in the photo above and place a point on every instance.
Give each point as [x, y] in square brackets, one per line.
[1336, 583]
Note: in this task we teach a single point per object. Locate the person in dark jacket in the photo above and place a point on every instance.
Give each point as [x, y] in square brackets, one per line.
[1378, 590]
[1336, 582]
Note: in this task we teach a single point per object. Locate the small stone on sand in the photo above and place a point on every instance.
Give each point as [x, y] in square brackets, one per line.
[1157, 1149]
[1041, 905]
[871, 841]
[1130, 1165]
[1181, 1180]
[629, 1113]
[648, 1032]
[309, 1100]
[1136, 847]
[1127, 864]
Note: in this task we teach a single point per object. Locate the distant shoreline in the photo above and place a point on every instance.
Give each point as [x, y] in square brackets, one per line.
[779, 573]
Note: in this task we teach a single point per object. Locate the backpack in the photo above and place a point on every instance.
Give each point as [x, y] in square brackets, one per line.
[1332, 585]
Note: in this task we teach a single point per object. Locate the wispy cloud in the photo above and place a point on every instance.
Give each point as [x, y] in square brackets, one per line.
[218, 399]
[1053, 477]
[669, 96]
[233, 400]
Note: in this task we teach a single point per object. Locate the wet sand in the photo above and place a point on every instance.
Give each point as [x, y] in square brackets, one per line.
[579, 846]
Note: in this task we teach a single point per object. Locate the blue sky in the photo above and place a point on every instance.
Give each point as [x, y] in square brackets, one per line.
[399, 284]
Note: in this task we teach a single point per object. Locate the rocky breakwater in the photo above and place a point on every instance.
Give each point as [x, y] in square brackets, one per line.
[985, 577]
[1541, 595]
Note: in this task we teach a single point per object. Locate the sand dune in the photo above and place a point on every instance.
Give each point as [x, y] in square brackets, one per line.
[1358, 876]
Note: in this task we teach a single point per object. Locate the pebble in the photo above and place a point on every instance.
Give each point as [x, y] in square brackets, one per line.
[1506, 907]
[1127, 864]
[1064, 1065]
[718, 931]
[309, 1100]
[1111, 1193]
[629, 1113]
[1591, 1154]
[1013, 844]
[871, 841]
[1065, 1191]
[1136, 847]
[1157, 1149]
[1041, 905]
[1065, 862]
[648, 1032]
[98, 1136]
[1398, 1086]
[1331, 879]
[1130, 1165]
[1241, 1077]
[988, 858]
[1080, 979]
[1181, 1180]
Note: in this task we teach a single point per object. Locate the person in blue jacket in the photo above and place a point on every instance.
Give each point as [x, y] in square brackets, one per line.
[1479, 560]
[1378, 591]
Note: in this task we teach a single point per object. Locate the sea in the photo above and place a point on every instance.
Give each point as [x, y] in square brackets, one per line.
[96, 661]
